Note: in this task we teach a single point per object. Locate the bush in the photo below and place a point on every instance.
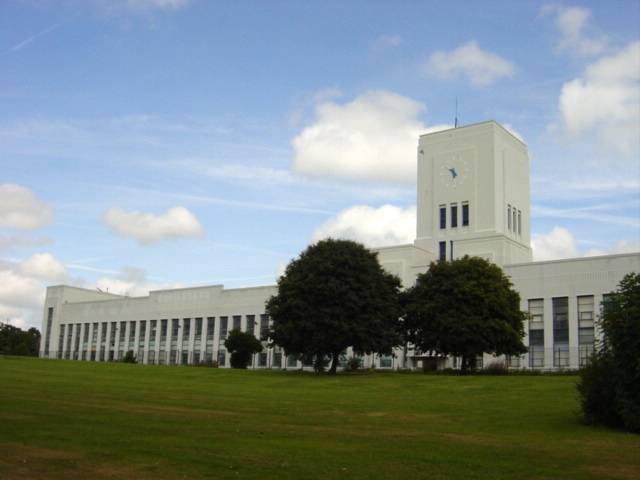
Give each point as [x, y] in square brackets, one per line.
[242, 346]
[610, 385]
[129, 357]
[496, 368]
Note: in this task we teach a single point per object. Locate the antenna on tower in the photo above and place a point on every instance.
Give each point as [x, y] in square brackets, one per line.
[455, 123]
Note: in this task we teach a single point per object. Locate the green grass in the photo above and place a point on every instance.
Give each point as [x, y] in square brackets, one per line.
[68, 420]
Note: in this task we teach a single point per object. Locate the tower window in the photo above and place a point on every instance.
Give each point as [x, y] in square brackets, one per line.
[514, 219]
[443, 251]
[443, 216]
[465, 214]
[509, 217]
[519, 222]
[454, 215]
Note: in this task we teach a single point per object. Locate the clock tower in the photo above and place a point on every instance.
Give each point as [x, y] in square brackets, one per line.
[473, 194]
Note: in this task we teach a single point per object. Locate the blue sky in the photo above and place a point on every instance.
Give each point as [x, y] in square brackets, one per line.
[153, 143]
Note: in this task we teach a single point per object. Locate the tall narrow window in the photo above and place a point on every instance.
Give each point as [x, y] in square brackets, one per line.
[586, 335]
[509, 217]
[443, 216]
[442, 256]
[465, 214]
[251, 322]
[519, 222]
[514, 219]
[560, 307]
[536, 332]
[454, 215]
[264, 327]
[237, 320]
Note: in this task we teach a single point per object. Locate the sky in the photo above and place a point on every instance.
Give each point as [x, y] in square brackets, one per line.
[149, 144]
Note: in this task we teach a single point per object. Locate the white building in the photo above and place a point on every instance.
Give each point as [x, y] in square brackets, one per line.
[472, 199]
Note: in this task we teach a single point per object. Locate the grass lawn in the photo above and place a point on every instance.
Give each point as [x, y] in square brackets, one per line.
[75, 420]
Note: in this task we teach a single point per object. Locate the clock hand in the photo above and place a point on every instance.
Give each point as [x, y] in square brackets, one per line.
[454, 174]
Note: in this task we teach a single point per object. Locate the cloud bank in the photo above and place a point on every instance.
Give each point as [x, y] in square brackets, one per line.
[147, 228]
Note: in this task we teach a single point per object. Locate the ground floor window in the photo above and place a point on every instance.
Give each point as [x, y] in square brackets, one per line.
[277, 360]
[262, 359]
[292, 361]
[386, 361]
[152, 356]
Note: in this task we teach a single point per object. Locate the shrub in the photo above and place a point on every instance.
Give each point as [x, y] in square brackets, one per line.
[496, 368]
[610, 385]
[242, 346]
[129, 357]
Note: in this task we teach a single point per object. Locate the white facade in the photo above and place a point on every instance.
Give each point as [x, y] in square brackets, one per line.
[473, 199]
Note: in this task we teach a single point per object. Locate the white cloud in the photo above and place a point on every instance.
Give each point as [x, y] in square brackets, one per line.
[132, 282]
[156, 4]
[43, 266]
[577, 37]
[17, 290]
[558, 243]
[21, 208]
[148, 228]
[374, 227]
[606, 101]
[482, 67]
[373, 137]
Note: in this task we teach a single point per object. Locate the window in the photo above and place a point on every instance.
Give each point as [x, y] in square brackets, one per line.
[211, 324]
[465, 214]
[386, 361]
[123, 331]
[175, 328]
[292, 361]
[514, 219]
[48, 337]
[85, 333]
[443, 216]
[442, 256]
[264, 327]
[163, 331]
[152, 334]
[223, 328]
[560, 306]
[262, 359]
[186, 329]
[509, 217]
[519, 222]
[586, 333]
[198, 328]
[536, 333]
[222, 356]
[277, 360]
[454, 215]
[251, 324]
[237, 320]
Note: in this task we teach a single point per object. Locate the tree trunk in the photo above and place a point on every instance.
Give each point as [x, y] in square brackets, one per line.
[334, 363]
[465, 365]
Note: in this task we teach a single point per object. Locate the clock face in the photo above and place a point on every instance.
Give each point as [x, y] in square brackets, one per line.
[454, 171]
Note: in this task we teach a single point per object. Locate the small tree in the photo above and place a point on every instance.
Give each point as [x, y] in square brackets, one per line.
[334, 296]
[241, 345]
[465, 308]
[610, 385]
[129, 357]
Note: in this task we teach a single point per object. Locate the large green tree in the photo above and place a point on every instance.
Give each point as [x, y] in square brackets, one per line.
[15, 341]
[610, 385]
[334, 296]
[464, 308]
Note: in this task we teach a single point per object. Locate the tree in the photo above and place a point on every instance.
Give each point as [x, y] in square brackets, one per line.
[610, 385]
[464, 308]
[335, 295]
[15, 341]
[241, 345]
[129, 357]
